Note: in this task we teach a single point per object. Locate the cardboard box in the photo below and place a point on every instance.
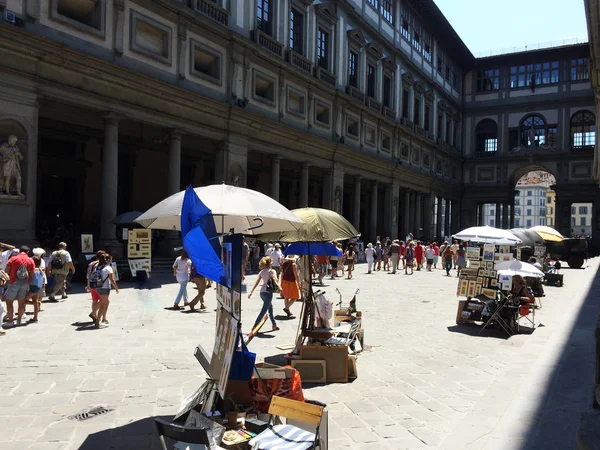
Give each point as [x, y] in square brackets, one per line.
[461, 305]
[340, 316]
[335, 357]
[311, 371]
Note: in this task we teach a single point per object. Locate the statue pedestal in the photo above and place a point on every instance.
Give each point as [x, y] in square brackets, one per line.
[11, 197]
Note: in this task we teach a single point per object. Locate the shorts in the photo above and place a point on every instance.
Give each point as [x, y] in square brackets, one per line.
[34, 289]
[95, 295]
[430, 261]
[16, 291]
[334, 263]
[103, 291]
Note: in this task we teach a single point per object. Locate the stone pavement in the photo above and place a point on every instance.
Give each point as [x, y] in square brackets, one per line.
[423, 382]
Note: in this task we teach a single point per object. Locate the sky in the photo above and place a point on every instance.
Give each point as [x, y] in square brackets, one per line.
[486, 25]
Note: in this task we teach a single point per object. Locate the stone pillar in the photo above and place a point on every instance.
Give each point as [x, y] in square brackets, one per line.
[497, 221]
[356, 205]
[447, 229]
[480, 215]
[418, 216]
[275, 168]
[328, 190]
[395, 207]
[512, 216]
[505, 222]
[406, 215]
[110, 182]
[387, 212]
[438, 222]
[304, 185]
[428, 217]
[455, 226]
[174, 181]
[373, 211]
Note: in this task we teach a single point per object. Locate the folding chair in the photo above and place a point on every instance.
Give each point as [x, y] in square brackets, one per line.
[348, 338]
[180, 433]
[290, 437]
[496, 316]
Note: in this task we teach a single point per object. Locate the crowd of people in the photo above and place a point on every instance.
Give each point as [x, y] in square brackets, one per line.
[28, 275]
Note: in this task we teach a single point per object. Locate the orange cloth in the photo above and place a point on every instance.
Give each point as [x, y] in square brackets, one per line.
[289, 289]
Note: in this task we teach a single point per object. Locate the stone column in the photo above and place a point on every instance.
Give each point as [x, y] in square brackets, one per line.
[497, 221]
[373, 211]
[387, 212]
[438, 223]
[505, 222]
[304, 185]
[328, 190]
[406, 215]
[428, 217]
[447, 218]
[418, 216]
[110, 181]
[356, 205]
[174, 181]
[455, 217]
[480, 214]
[275, 168]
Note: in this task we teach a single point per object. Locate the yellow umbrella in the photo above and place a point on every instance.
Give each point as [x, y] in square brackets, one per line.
[320, 225]
[548, 233]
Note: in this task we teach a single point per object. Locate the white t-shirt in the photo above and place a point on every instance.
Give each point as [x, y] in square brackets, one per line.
[264, 275]
[106, 271]
[182, 269]
[369, 252]
[429, 253]
[277, 257]
[4, 257]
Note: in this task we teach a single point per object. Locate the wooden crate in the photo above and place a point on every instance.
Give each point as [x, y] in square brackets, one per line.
[335, 357]
[311, 371]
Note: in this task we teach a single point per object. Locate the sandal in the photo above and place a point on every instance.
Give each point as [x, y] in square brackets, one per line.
[287, 311]
[202, 306]
[275, 328]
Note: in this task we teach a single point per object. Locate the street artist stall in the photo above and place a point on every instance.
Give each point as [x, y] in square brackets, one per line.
[236, 405]
[496, 294]
[327, 340]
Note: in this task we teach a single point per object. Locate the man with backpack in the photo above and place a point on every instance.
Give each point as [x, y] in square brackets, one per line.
[60, 264]
[20, 269]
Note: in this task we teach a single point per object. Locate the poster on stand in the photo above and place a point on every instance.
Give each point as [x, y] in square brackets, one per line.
[139, 264]
[87, 243]
[539, 251]
[488, 252]
[505, 282]
[473, 253]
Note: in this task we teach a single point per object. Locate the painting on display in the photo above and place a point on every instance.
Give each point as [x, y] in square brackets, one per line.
[488, 252]
[87, 243]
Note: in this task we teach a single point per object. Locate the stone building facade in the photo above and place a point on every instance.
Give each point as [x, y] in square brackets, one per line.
[368, 107]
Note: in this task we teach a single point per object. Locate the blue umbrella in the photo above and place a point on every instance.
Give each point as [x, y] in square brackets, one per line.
[312, 248]
[200, 238]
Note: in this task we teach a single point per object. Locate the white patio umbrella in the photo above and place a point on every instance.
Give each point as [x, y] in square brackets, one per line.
[488, 235]
[517, 267]
[232, 207]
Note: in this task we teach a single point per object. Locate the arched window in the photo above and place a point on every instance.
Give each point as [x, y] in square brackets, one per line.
[487, 136]
[533, 130]
[583, 130]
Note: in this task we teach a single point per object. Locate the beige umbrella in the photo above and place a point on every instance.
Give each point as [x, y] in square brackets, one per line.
[548, 233]
[320, 225]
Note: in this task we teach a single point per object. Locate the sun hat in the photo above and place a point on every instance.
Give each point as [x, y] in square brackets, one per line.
[369, 245]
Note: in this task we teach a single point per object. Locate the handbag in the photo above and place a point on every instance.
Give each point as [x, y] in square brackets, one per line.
[242, 362]
[271, 287]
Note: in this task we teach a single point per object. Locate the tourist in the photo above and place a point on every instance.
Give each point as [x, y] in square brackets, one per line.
[386, 255]
[269, 250]
[341, 259]
[60, 265]
[429, 255]
[333, 261]
[419, 253]
[436, 254]
[370, 254]
[350, 257]
[395, 254]
[181, 272]
[402, 253]
[454, 252]
[35, 287]
[290, 283]
[200, 282]
[447, 257]
[322, 262]
[20, 268]
[245, 257]
[92, 275]
[461, 259]
[266, 273]
[41, 253]
[277, 259]
[409, 257]
[107, 279]
[379, 254]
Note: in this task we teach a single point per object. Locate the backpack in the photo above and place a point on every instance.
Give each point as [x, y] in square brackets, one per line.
[22, 273]
[96, 280]
[56, 261]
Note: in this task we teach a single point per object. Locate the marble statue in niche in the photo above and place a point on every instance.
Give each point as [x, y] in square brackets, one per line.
[10, 167]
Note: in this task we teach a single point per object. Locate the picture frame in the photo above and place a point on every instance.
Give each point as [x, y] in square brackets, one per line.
[490, 265]
[478, 288]
[87, 243]
[464, 285]
[486, 273]
[479, 280]
[493, 283]
[481, 272]
[471, 289]
[493, 274]
[474, 264]
[490, 293]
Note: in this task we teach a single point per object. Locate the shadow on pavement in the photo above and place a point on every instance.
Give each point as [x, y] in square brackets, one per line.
[475, 330]
[555, 422]
[140, 434]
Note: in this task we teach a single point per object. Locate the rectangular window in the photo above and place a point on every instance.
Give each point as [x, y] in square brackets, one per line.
[296, 31]
[387, 10]
[529, 203]
[405, 100]
[572, 221]
[371, 78]
[150, 37]
[323, 48]
[322, 114]
[264, 88]
[532, 75]
[573, 210]
[386, 142]
[373, 3]
[417, 112]
[488, 80]
[447, 131]
[353, 69]
[447, 75]
[439, 126]
[387, 91]
[427, 124]
[454, 135]
[296, 102]
[491, 221]
[528, 223]
[264, 13]
[579, 69]
[440, 65]
[86, 12]
[455, 80]
[405, 25]
[518, 223]
[583, 221]
[417, 37]
[352, 127]
[206, 63]
[583, 210]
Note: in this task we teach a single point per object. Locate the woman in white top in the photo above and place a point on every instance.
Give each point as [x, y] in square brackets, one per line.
[108, 280]
[370, 252]
[266, 273]
[181, 271]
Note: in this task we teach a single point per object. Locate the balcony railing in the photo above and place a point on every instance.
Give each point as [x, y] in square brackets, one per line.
[486, 154]
[268, 43]
[213, 11]
[325, 76]
[586, 149]
[296, 59]
[389, 113]
[374, 104]
[355, 93]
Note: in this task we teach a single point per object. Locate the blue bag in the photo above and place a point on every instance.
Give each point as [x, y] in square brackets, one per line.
[242, 362]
